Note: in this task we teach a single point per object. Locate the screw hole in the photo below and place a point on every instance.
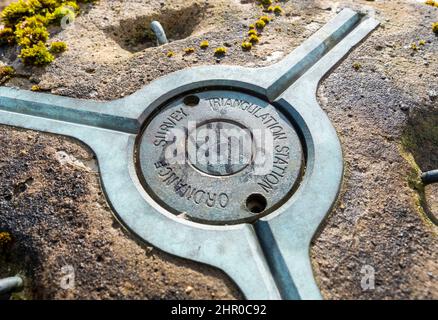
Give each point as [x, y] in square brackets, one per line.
[191, 100]
[256, 203]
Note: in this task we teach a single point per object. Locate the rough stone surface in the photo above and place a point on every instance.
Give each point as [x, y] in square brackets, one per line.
[57, 213]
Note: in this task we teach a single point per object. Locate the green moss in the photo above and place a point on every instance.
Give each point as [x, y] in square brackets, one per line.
[5, 239]
[6, 72]
[204, 44]
[14, 12]
[246, 45]
[7, 36]
[254, 39]
[265, 2]
[58, 47]
[189, 50]
[252, 32]
[220, 51]
[37, 55]
[357, 66]
[265, 19]
[433, 3]
[435, 27]
[25, 22]
[260, 24]
[278, 10]
[31, 31]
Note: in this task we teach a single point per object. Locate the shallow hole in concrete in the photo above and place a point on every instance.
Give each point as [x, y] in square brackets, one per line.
[135, 34]
[256, 203]
[421, 138]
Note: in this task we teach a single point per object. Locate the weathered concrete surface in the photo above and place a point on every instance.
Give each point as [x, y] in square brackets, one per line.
[61, 217]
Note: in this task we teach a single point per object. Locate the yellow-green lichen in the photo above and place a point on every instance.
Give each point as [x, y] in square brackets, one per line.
[35, 88]
[170, 54]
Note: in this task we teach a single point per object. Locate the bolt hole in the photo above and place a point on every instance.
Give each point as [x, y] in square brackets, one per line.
[191, 100]
[256, 203]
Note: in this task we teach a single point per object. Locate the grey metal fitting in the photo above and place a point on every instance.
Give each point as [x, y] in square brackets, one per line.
[11, 284]
[430, 177]
[158, 30]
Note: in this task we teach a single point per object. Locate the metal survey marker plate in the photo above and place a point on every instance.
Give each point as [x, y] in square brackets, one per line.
[220, 157]
[229, 166]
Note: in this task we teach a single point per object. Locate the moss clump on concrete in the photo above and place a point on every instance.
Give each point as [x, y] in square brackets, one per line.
[6, 72]
[7, 36]
[278, 10]
[260, 24]
[31, 31]
[58, 47]
[204, 44]
[435, 27]
[357, 66]
[254, 39]
[252, 32]
[5, 239]
[37, 55]
[188, 51]
[265, 19]
[433, 3]
[246, 45]
[26, 23]
[414, 46]
[221, 51]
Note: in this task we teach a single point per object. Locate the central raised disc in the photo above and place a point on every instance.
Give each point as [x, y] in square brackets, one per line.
[221, 148]
[219, 157]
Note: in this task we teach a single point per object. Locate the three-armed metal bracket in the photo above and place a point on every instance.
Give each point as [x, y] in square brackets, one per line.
[268, 258]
